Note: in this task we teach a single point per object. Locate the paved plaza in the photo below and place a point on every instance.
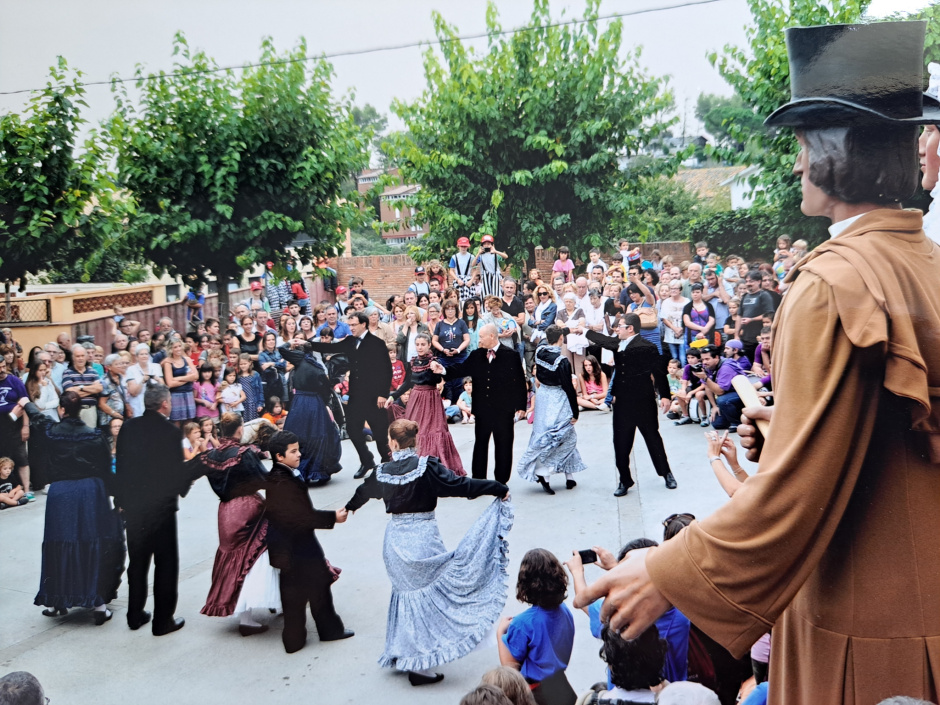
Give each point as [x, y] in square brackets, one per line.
[209, 663]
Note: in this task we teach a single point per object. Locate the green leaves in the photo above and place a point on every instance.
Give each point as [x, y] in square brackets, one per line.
[524, 141]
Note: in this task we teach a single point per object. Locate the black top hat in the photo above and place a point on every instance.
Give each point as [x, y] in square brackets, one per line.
[853, 74]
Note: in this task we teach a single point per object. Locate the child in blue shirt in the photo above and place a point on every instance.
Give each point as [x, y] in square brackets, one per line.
[465, 401]
[538, 642]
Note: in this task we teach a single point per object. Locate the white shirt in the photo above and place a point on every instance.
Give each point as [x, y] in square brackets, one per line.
[625, 342]
[836, 229]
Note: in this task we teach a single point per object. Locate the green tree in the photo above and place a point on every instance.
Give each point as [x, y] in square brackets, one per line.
[760, 76]
[226, 171]
[374, 123]
[718, 113]
[666, 209]
[57, 208]
[524, 141]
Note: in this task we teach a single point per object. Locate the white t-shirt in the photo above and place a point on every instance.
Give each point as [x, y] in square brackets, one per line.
[136, 374]
[672, 311]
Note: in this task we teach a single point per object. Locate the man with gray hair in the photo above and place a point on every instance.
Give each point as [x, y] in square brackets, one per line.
[150, 477]
[57, 365]
[21, 688]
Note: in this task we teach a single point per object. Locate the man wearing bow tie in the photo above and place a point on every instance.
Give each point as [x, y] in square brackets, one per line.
[499, 396]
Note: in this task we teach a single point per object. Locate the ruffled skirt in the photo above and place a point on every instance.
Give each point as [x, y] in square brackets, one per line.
[553, 446]
[243, 532]
[443, 602]
[83, 546]
[426, 409]
[319, 438]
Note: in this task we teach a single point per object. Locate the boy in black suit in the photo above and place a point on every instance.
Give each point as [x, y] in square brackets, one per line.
[293, 548]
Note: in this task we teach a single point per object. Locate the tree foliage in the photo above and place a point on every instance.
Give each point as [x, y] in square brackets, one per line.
[371, 121]
[667, 210]
[760, 76]
[718, 113]
[523, 141]
[57, 208]
[227, 170]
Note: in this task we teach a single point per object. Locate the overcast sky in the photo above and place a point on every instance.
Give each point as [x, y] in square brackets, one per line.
[104, 37]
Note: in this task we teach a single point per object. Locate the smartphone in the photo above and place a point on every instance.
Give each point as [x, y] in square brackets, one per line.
[588, 556]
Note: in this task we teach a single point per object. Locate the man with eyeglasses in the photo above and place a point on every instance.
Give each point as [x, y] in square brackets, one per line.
[636, 362]
[57, 364]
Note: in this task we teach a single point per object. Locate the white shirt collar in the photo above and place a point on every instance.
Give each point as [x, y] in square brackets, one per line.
[836, 229]
[626, 341]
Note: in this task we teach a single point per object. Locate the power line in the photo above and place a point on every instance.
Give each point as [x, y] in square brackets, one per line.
[375, 50]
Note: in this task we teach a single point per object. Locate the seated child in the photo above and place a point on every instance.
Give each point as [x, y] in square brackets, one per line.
[465, 402]
[674, 376]
[193, 442]
[274, 412]
[538, 641]
[10, 496]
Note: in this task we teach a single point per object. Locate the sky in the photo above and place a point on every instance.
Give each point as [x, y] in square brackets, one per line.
[107, 37]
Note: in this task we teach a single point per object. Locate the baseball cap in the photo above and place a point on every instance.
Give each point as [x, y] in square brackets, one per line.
[735, 345]
[463, 242]
[487, 238]
[419, 270]
[256, 285]
[341, 289]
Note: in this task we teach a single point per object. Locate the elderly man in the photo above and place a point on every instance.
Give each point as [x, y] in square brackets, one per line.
[58, 366]
[582, 300]
[695, 277]
[499, 395]
[64, 341]
[81, 378]
[832, 541]
[114, 401]
[718, 294]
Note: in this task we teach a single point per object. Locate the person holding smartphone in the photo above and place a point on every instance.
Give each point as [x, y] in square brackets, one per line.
[490, 261]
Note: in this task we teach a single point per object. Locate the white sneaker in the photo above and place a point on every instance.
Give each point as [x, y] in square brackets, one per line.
[603, 407]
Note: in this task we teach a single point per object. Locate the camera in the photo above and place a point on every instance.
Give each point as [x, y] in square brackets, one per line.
[697, 367]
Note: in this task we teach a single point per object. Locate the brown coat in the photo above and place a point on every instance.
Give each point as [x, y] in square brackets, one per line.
[834, 542]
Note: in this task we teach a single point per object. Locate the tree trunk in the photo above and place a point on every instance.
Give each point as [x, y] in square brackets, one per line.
[6, 301]
[529, 265]
[222, 282]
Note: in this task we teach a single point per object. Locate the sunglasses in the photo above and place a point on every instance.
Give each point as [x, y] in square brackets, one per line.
[543, 293]
[685, 518]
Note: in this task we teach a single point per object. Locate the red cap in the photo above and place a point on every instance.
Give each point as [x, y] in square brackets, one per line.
[487, 238]
[463, 242]
[341, 289]
[256, 285]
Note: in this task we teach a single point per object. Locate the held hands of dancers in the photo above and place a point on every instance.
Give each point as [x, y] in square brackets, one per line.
[342, 514]
[631, 602]
[437, 367]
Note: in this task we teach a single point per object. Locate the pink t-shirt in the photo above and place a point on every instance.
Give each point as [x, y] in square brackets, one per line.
[207, 392]
[564, 267]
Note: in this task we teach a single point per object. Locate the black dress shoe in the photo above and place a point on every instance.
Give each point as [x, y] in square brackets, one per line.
[670, 481]
[135, 624]
[570, 484]
[55, 612]
[545, 486]
[345, 635]
[248, 630]
[362, 471]
[420, 679]
[169, 628]
[102, 616]
[621, 490]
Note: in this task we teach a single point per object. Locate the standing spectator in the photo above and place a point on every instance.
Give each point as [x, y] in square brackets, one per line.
[505, 325]
[14, 432]
[594, 260]
[695, 277]
[83, 545]
[273, 367]
[57, 366]
[166, 327]
[249, 340]
[563, 265]
[451, 338]
[671, 314]
[114, 402]
[499, 394]
[370, 378]
[698, 317]
[179, 372]
[41, 391]
[339, 328]
[754, 304]
[138, 376]
[420, 285]
[298, 289]
[149, 478]
[571, 320]
[769, 284]
[461, 265]
[471, 316]
[718, 294]
[406, 335]
[437, 274]
[250, 382]
[205, 391]
[490, 261]
[512, 306]
[643, 304]
[378, 328]
[278, 292]
[545, 307]
[83, 380]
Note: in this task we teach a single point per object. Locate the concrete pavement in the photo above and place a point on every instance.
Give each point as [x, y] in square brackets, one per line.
[208, 662]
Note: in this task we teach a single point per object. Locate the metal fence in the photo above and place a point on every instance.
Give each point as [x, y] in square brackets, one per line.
[24, 310]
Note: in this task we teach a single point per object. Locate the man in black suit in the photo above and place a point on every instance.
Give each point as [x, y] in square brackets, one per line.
[370, 380]
[150, 477]
[637, 364]
[499, 396]
[294, 550]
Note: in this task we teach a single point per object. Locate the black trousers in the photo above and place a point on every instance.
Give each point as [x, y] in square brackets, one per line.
[499, 425]
[307, 582]
[358, 414]
[626, 423]
[156, 538]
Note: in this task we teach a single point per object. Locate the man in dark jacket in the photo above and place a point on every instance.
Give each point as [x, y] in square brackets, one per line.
[150, 477]
[294, 550]
[370, 379]
[636, 363]
[499, 395]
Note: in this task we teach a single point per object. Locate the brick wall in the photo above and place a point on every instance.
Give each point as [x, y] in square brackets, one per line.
[385, 275]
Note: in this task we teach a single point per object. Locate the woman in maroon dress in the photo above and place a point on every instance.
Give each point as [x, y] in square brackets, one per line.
[426, 408]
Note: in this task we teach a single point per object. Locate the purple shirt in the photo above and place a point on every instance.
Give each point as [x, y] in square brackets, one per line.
[727, 370]
[12, 390]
